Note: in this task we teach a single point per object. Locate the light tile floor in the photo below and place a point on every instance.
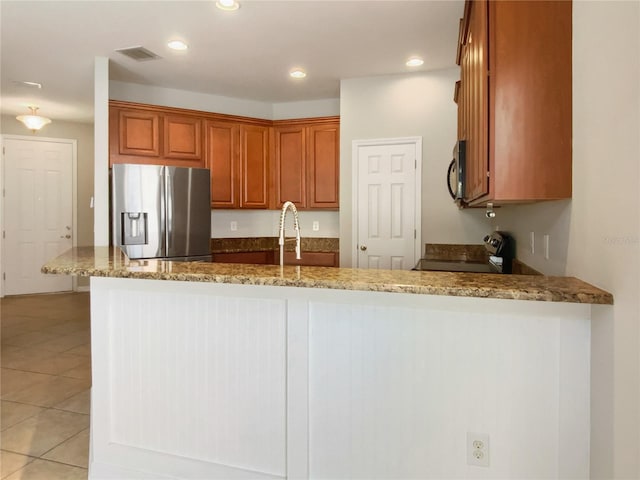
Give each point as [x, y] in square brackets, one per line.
[45, 383]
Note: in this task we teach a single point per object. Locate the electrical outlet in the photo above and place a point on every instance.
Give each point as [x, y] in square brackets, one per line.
[532, 242]
[316, 226]
[546, 247]
[478, 449]
[233, 226]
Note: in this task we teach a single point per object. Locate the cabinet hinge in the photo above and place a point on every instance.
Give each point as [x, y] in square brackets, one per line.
[488, 175]
[415, 234]
[3, 234]
[4, 276]
[415, 164]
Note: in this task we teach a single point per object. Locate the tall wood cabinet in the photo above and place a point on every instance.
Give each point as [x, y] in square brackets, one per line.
[307, 162]
[222, 141]
[514, 100]
[290, 159]
[254, 166]
[238, 157]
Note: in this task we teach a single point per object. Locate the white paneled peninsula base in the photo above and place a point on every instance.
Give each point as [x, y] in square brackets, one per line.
[224, 381]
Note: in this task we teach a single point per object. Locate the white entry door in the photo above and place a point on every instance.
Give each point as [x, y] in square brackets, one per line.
[388, 203]
[38, 215]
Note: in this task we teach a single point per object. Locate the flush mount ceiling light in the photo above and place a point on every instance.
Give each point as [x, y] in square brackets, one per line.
[34, 121]
[27, 84]
[177, 45]
[414, 62]
[297, 73]
[227, 5]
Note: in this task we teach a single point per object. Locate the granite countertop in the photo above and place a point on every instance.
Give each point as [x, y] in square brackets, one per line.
[108, 262]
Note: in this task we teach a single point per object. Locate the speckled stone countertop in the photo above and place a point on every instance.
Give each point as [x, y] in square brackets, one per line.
[107, 262]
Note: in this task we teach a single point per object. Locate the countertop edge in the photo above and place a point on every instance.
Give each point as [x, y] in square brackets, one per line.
[515, 287]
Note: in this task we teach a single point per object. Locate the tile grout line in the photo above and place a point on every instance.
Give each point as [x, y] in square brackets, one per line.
[53, 448]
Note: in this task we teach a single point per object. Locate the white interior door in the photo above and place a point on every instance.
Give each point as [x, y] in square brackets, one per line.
[38, 213]
[388, 204]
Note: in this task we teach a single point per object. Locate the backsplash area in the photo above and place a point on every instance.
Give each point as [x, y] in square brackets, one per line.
[265, 223]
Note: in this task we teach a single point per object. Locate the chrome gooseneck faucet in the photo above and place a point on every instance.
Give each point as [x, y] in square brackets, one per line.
[286, 206]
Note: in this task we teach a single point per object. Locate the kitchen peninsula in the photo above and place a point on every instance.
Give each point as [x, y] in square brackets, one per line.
[252, 371]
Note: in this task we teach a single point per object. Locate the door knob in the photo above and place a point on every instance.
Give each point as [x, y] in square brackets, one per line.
[65, 236]
[363, 248]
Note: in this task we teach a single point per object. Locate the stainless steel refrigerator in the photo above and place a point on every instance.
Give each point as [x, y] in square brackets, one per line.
[161, 212]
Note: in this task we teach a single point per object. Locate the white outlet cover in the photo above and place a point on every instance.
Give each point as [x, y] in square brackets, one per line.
[546, 247]
[478, 449]
[532, 242]
[316, 226]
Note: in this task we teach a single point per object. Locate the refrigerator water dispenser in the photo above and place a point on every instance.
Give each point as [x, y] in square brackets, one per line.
[134, 228]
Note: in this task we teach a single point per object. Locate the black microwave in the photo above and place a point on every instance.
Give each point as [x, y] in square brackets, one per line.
[456, 171]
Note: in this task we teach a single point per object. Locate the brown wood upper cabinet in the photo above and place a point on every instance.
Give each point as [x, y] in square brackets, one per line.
[307, 163]
[514, 100]
[182, 138]
[149, 135]
[254, 163]
[238, 157]
[222, 147]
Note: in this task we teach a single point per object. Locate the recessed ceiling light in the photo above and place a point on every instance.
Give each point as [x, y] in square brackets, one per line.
[414, 62]
[297, 73]
[228, 5]
[177, 45]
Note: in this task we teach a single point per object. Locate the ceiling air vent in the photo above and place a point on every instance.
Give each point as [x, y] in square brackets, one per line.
[139, 54]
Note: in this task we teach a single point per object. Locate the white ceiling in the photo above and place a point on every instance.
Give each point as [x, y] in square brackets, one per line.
[245, 54]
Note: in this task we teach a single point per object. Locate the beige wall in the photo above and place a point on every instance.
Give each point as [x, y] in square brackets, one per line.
[418, 104]
[596, 235]
[83, 133]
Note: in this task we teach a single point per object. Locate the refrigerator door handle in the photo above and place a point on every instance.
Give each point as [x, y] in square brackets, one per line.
[168, 198]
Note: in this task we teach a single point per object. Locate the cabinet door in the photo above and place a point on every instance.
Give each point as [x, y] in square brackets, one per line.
[260, 257]
[475, 95]
[254, 166]
[291, 169]
[222, 160]
[183, 139]
[324, 165]
[138, 133]
[312, 259]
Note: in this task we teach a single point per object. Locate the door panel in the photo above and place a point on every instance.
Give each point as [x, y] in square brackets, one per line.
[38, 213]
[138, 210]
[188, 212]
[386, 206]
[222, 161]
[139, 133]
[254, 166]
[324, 166]
[182, 138]
[291, 167]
